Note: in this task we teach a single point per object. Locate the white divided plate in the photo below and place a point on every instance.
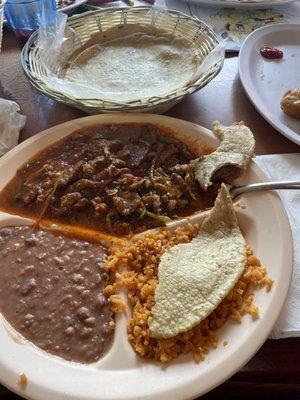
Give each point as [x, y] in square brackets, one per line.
[244, 3]
[266, 81]
[121, 375]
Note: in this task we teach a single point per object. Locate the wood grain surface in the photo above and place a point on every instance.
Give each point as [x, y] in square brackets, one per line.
[274, 372]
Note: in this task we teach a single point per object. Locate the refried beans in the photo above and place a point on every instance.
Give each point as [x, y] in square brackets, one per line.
[51, 291]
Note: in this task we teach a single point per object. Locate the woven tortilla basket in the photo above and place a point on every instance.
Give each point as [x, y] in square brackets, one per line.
[92, 22]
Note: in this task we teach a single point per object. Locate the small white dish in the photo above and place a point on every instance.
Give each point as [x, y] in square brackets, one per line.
[121, 374]
[266, 81]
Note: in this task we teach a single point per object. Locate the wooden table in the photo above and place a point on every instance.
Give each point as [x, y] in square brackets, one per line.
[274, 372]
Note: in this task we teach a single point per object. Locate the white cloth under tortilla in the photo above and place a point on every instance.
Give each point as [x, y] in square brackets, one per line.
[287, 167]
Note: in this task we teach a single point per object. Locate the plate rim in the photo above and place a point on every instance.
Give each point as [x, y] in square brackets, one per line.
[238, 4]
[72, 7]
[192, 388]
[243, 58]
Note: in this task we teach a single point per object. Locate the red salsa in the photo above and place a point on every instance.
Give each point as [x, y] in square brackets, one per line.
[271, 53]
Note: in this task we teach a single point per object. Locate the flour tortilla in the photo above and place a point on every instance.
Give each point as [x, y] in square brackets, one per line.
[195, 277]
[135, 62]
[235, 150]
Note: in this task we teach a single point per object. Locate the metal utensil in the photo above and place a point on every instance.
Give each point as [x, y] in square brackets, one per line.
[237, 190]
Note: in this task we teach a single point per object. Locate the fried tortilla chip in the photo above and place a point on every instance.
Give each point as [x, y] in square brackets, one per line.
[193, 278]
[235, 150]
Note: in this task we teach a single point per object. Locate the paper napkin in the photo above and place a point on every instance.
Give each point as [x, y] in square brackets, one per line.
[11, 122]
[287, 167]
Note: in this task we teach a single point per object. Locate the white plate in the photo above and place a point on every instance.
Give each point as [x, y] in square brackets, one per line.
[245, 3]
[266, 81]
[71, 7]
[121, 375]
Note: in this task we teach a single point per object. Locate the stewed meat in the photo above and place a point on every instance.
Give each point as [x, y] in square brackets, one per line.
[120, 178]
[127, 203]
[136, 153]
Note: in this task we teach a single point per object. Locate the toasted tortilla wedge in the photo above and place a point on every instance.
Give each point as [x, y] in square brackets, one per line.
[193, 278]
[235, 150]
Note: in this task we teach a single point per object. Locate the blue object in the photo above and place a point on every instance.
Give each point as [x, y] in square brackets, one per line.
[25, 16]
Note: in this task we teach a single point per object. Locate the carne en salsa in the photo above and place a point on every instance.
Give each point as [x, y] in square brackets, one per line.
[121, 178]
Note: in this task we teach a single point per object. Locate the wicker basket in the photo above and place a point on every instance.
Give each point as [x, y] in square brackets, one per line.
[92, 22]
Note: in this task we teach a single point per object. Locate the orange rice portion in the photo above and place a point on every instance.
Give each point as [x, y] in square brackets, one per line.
[141, 257]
